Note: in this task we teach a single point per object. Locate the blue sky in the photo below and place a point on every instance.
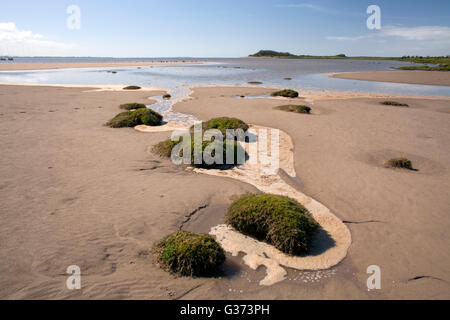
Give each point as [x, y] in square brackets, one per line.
[227, 28]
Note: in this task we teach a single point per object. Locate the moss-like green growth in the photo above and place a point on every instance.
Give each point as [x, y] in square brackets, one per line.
[255, 82]
[131, 106]
[167, 96]
[441, 67]
[224, 123]
[400, 163]
[394, 103]
[132, 88]
[294, 108]
[277, 220]
[164, 148]
[189, 254]
[288, 93]
[134, 118]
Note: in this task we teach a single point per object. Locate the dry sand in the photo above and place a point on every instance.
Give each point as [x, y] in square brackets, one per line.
[437, 78]
[66, 65]
[73, 191]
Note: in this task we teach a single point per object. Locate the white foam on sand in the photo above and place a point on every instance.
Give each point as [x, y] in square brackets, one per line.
[327, 250]
[168, 126]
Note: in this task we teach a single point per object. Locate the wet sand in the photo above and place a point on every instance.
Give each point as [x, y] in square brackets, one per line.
[76, 192]
[45, 66]
[436, 78]
[398, 219]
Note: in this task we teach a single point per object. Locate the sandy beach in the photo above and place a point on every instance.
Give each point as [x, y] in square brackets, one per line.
[74, 191]
[45, 66]
[436, 78]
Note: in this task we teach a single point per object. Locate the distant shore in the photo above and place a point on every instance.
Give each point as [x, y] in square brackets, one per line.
[45, 66]
[435, 78]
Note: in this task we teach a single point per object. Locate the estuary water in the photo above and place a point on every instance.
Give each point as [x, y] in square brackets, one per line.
[304, 74]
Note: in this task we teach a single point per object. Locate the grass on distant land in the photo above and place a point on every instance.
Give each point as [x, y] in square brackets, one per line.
[288, 93]
[254, 82]
[132, 88]
[134, 118]
[131, 106]
[394, 103]
[442, 62]
[287, 78]
[294, 108]
[426, 68]
[277, 220]
[189, 254]
[399, 163]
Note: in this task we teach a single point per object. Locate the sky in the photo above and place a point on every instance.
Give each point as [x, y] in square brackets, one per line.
[226, 28]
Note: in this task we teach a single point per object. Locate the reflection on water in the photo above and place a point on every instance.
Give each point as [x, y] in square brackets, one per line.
[310, 74]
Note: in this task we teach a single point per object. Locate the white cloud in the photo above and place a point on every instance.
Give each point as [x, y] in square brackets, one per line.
[339, 38]
[400, 40]
[423, 33]
[22, 42]
[308, 6]
[318, 8]
[300, 5]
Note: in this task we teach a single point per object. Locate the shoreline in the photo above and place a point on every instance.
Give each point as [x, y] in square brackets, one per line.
[304, 94]
[71, 65]
[435, 78]
[96, 87]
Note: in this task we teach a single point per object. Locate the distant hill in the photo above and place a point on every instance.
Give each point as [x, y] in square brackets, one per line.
[271, 53]
[276, 54]
[441, 63]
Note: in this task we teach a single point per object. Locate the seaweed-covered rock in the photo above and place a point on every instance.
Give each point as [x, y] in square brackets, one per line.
[288, 93]
[294, 108]
[399, 163]
[164, 148]
[394, 103]
[277, 220]
[189, 254]
[224, 123]
[131, 106]
[134, 118]
[132, 88]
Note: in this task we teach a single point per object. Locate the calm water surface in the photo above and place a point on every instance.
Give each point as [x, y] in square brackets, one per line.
[310, 74]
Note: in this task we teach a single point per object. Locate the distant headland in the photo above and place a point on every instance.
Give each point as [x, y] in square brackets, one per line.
[441, 63]
[276, 54]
